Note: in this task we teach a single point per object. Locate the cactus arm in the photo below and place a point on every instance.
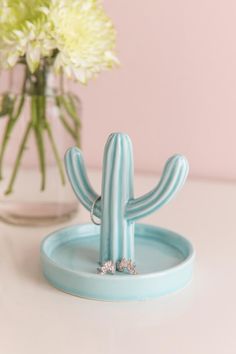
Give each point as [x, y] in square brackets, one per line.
[173, 178]
[77, 175]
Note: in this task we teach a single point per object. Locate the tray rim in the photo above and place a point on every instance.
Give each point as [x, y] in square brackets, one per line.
[189, 258]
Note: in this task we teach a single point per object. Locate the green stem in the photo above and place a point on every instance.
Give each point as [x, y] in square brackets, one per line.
[68, 128]
[77, 120]
[64, 122]
[56, 153]
[11, 123]
[70, 108]
[6, 137]
[36, 112]
[74, 132]
[18, 159]
[12, 119]
[38, 108]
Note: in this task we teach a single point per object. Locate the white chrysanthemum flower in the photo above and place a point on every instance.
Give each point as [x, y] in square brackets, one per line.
[77, 33]
[85, 38]
[24, 31]
[31, 42]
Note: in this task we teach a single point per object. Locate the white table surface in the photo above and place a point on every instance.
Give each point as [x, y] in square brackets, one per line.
[35, 318]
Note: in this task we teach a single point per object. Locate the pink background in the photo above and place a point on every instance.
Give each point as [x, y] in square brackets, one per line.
[176, 88]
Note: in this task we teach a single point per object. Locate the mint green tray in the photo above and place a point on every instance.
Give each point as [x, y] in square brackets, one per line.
[163, 259]
[164, 263]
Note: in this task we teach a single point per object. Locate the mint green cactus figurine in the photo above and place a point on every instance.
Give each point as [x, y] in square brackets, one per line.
[164, 258]
[117, 208]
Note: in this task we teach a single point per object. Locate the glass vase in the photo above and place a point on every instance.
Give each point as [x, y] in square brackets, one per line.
[39, 121]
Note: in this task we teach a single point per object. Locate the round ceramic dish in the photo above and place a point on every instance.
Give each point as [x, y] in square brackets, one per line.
[164, 263]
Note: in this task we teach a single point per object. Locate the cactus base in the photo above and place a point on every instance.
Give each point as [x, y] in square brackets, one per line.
[164, 262]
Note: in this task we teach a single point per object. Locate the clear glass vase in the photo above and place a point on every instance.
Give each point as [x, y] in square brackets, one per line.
[39, 121]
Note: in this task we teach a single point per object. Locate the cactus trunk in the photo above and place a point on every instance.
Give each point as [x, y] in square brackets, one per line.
[117, 233]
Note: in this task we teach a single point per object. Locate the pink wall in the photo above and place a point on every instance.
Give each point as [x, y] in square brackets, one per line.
[176, 89]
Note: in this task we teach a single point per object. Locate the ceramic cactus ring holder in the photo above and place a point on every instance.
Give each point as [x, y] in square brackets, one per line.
[119, 259]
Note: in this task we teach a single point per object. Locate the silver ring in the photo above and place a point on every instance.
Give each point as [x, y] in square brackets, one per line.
[92, 211]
